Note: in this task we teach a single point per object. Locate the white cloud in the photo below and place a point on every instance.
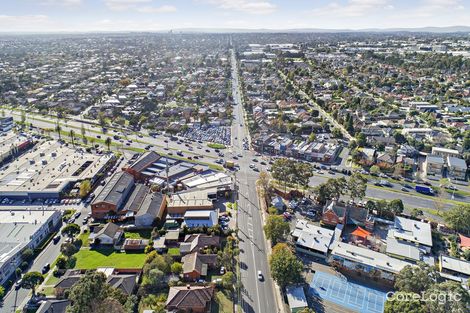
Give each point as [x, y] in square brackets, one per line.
[247, 6]
[121, 5]
[62, 2]
[162, 9]
[353, 8]
[24, 23]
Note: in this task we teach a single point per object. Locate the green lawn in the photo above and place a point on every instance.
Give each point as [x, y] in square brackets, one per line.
[222, 303]
[91, 259]
[174, 251]
[140, 234]
[214, 145]
[84, 238]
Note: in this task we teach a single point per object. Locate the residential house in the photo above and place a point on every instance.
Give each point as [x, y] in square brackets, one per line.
[197, 264]
[197, 242]
[135, 244]
[190, 299]
[201, 218]
[454, 269]
[53, 306]
[109, 234]
[456, 168]
[296, 298]
[434, 166]
[333, 214]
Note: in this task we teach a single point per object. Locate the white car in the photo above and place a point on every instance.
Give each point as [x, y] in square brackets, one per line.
[260, 276]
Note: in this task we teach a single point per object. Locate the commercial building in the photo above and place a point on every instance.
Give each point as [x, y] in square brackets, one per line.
[113, 196]
[12, 145]
[368, 262]
[6, 123]
[21, 229]
[192, 200]
[49, 171]
[201, 218]
[411, 231]
[314, 240]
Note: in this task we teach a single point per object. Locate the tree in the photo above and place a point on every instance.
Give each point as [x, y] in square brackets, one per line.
[72, 136]
[336, 132]
[177, 268]
[396, 206]
[357, 186]
[31, 280]
[154, 280]
[276, 228]
[264, 180]
[396, 303]
[456, 298]
[108, 143]
[85, 188]
[23, 118]
[2, 292]
[312, 137]
[27, 254]
[92, 294]
[416, 278]
[68, 249]
[458, 218]
[58, 129]
[285, 267]
[374, 169]
[61, 262]
[228, 279]
[83, 132]
[71, 230]
[361, 139]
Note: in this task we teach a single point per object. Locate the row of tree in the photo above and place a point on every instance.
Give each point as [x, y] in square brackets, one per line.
[334, 188]
[292, 172]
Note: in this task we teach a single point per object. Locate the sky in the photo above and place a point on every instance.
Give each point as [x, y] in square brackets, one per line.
[157, 15]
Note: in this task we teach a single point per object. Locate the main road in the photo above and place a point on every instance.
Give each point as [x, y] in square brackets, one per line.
[256, 295]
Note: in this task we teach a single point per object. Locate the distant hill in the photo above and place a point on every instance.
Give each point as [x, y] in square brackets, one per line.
[448, 29]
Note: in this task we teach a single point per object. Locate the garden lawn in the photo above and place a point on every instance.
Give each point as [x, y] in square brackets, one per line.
[221, 303]
[91, 259]
[174, 251]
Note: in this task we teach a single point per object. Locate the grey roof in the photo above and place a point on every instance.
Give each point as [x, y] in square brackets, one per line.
[136, 198]
[404, 249]
[145, 161]
[53, 306]
[113, 192]
[411, 230]
[109, 230]
[436, 159]
[296, 297]
[151, 204]
[455, 265]
[456, 162]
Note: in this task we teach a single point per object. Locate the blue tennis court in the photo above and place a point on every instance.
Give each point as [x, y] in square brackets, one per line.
[347, 294]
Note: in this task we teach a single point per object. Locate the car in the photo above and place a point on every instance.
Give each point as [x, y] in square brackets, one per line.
[85, 220]
[252, 165]
[260, 276]
[46, 268]
[103, 182]
[263, 163]
[71, 221]
[222, 270]
[255, 160]
[18, 284]
[56, 238]
[404, 189]
[407, 186]
[77, 214]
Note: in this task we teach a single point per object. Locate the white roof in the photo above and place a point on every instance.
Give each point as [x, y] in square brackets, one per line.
[401, 248]
[312, 236]
[296, 297]
[199, 213]
[368, 257]
[455, 265]
[411, 230]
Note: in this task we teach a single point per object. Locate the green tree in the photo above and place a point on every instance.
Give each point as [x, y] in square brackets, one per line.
[285, 267]
[72, 137]
[357, 186]
[458, 218]
[154, 280]
[456, 298]
[85, 188]
[68, 249]
[374, 169]
[108, 143]
[177, 268]
[276, 228]
[361, 139]
[71, 230]
[27, 255]
[23, 118]
[411, 305]
[396, 206]
[92, 294]
[312, 137]
[31, 280]
[228, 280]
[2, 292]
[83, 132]
[416, 278]
[58, 129]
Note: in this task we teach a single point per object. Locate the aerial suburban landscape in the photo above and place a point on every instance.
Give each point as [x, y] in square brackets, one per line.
[234, 169]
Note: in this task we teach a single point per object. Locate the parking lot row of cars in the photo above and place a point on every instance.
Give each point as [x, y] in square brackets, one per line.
[209, 133]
